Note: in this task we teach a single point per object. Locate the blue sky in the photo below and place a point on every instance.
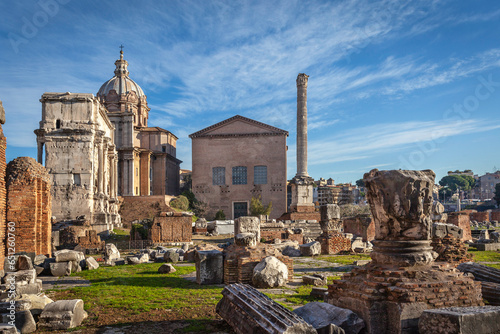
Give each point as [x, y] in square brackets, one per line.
[393, 84]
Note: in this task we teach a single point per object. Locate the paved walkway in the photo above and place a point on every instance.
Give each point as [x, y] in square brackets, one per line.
[61, 283]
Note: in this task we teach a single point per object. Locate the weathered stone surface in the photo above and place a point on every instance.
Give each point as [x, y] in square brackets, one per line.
[19, 305]
[491, 293]
[330, 329]
[111, 252]
[320, 293]
[247, 224]
[269, 273]
[171, 256]
[24, 321]
[249, 311]
[481, 272]
[313, 280]
[39, 270]
[291, 251]
[166, 268]
[401, 203]
[330, 218]
[21, 276]
[322, 314]
[91, 263]
[133, 260]
[39, 259]
[441, 230]
[201, 223]
[32, 288]
[209, 267]
[5, 328]
[245, 239]
[37, 302]
[66, 255]
[59, 269]
[24, 263]
[62, 314]
[311, 249]
[360, 246]
[461, 320]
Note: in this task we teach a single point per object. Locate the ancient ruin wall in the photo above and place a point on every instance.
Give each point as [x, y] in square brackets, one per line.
[3, 190]
[171, 229]
[495, 216]
[461, 220]
[29, 205]
[480, 216]
[361, 226]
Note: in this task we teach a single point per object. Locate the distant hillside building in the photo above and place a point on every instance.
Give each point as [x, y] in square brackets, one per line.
[237, 159]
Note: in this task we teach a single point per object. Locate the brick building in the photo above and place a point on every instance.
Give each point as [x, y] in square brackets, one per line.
[29, 205]
[237, 159]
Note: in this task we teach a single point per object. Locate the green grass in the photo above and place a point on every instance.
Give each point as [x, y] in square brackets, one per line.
[127, 291]
[344, 259]
[485, 256]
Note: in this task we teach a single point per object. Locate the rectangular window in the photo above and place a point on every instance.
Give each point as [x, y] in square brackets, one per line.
[77, 181]
[260, 174]
[240, 175]
[218, 176]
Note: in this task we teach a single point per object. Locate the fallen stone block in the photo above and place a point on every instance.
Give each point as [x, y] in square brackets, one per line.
[32, 288]
[171, 256]
[59, 269]
[320, 315]
[481, 273]
[166, 268]
[66, 255]
[493, 246]
[75, 266]
[143, 258]
[39, 270]
[133, 260]
[491, 292]
[111, 252]
[460, 320]
[313, 280]
[39, 260]
[209, 267]
[46, 266]
[247, 224]
[19, 305]
[118, 262]
[37, 302]
[24, 321]
[330, 329]
[320, 293]
[62, 314]
[21, 276]
[24, 263]
[91, 263]
[310, 249]
[247, 310]
[291, 252]
[270, 273]
[5, 328]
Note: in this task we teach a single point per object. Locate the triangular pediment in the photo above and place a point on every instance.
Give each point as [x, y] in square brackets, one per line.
[238, 125]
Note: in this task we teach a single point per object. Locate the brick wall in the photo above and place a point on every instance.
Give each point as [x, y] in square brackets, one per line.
[495, 216]
[281, 234]
[29, 205]
[334, 243]
[480, 216]
[3, 196]
[462, 220]
[239, 262]
[301, 216]
[171, 229]
[361, 226]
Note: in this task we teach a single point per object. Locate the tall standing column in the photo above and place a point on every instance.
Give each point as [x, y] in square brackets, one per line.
[302, 124]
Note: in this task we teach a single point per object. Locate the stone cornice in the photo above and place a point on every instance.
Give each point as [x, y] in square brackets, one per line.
[203, 133]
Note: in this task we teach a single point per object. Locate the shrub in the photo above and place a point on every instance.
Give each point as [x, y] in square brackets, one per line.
[220, 215]
[201, 209]
[181, 202]
[257, 209]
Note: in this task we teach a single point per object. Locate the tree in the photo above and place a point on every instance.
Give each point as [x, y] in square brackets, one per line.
[190, 196]
[497, 194]
[220, 215]
[360, 183]
[257, 209]
[180, 202]
[201, 209]
[454, 182]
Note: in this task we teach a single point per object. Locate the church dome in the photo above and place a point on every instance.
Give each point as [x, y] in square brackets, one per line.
[121, 82]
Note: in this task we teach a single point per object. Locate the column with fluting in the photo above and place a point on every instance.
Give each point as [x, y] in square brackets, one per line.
[302, 124]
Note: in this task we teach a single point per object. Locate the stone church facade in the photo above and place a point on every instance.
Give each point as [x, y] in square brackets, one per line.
[97, 148]
[237, 159]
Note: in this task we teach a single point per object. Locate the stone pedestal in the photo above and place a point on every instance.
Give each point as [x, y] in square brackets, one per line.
[403, 280]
